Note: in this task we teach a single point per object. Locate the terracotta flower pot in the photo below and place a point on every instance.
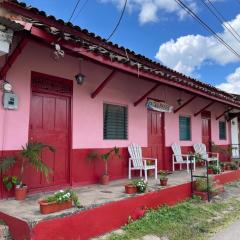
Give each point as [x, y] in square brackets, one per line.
[163, 182]
[20, 193]
[105, 179]
[130, 189]
[228, 167]
[210, 171]
[50, 207]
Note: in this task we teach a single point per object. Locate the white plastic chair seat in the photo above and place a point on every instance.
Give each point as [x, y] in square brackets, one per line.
[179, 158]
[137, 162]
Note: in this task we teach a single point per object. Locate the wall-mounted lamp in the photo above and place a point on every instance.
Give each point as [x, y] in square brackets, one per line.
[80, 78]
[7, 87]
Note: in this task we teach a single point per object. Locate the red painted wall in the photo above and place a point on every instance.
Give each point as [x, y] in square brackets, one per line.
[107, 217]
[84, 171]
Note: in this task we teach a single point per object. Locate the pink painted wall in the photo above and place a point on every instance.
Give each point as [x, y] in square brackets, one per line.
[88, 113]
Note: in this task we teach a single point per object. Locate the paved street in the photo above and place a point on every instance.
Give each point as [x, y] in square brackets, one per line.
[232, 232]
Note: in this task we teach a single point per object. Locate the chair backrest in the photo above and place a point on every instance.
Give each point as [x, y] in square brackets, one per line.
[177, 152]
[200, 148]
[135, 152]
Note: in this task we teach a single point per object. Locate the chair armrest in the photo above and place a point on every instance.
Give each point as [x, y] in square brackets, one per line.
[151, 159]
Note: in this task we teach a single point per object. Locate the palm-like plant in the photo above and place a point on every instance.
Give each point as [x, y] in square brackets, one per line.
[30, 154]
[104, 157]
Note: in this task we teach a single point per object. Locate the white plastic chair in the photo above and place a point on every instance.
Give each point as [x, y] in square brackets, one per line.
[137, 162]
[179, 158]
[200, 148]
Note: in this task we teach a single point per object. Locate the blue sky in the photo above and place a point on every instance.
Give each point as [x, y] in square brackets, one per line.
[160, 30]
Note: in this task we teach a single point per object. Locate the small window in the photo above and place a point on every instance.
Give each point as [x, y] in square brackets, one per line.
[115, 121]
[184, 128]
[222, 130]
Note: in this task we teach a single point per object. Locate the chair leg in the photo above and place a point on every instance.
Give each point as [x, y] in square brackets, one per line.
[156, 173]
[129, 173]
[140, 172]
[194, 166]
[188, 166]
[145, 174]
[180, 166]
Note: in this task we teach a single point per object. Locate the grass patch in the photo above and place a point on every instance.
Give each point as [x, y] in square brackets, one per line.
[192, 219]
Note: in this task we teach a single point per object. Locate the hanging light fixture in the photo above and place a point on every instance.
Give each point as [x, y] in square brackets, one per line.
[80, 77]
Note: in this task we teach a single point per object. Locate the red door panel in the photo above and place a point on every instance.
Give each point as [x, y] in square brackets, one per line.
[49, 124]
[155, 136]
[206, 132]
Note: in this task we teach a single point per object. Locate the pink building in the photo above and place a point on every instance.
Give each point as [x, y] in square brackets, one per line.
[108, 109]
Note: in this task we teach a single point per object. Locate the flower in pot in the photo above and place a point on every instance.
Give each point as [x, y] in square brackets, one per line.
[222, 166]
[105, 158]
[216, 169]
[210, 169]
[60, 200]
[163, 178]
[233, 166]
[130, 188]
[29, 155]
[141, 185]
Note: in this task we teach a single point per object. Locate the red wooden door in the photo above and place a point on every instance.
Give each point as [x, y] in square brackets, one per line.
[49, 124]
[156, 136]
[206, 132]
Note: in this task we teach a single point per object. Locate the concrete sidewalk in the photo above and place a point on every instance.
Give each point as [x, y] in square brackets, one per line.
[232, 232]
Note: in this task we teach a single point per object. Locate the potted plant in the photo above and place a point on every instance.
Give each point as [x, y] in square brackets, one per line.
[222, 166]
[60, 200]
[105, 157]
[163, 178]
[210, 169]
[29, 155]
[150, 172]
[141, 185]
[216, 169]
[130, 188]
[200, 188]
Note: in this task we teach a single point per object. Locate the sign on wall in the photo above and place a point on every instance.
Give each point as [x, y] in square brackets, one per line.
[158, 106]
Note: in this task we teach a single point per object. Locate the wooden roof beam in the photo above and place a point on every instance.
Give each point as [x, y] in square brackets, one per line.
[184, 104]
[12, 58]
[224, 113]
[204, 108]
[146, 94]
[103, 84]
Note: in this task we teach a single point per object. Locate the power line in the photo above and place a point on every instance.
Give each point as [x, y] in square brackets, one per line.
[206, 26]
[221, 19]
[75, 8]
[81, 9]
[119, 21]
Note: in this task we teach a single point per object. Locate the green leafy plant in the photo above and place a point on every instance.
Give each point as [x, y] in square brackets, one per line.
[201, 184]
[63, 196]
[29, 155]
[163, 175]
[10, 181]
[105, 157]
[140, 184]
[215, 169]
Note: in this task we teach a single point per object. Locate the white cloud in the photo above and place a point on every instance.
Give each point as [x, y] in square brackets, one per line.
[150, 9]
[188, 53]
[232, 84]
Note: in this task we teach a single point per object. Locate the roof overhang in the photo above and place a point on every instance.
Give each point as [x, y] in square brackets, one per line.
[186, 84]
